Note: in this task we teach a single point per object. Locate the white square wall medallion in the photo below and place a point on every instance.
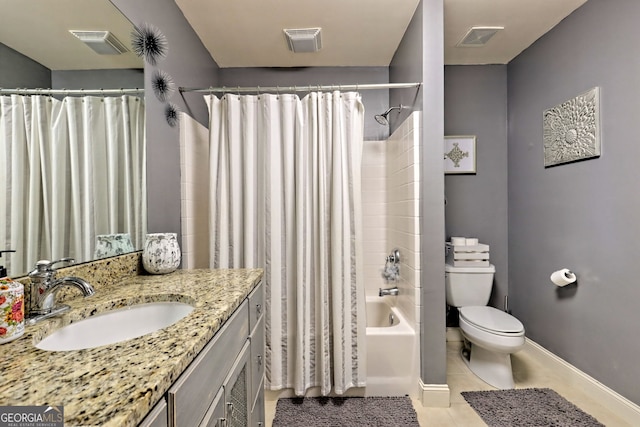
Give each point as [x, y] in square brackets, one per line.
[459, 154]
[572, 129]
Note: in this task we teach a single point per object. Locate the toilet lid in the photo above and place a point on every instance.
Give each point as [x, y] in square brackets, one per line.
[491, 319]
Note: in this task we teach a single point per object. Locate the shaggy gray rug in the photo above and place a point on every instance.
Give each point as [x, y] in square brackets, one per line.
[529, 407]
[345, 411]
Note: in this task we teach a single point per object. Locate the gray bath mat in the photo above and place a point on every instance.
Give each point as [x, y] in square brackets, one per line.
[345, 411]
[529, 407]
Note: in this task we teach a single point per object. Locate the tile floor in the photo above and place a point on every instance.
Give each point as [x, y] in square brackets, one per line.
[528, 372]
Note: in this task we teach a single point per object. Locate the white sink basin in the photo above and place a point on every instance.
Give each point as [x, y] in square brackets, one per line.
[115, 326]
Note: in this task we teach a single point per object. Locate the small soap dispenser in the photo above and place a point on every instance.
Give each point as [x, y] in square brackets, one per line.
[11, 307]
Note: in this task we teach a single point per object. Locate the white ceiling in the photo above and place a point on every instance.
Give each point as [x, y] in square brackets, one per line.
[524, 22]
[39, 29]
[248, 33]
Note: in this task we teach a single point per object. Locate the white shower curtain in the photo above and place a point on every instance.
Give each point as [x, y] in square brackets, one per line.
[72, 169]
[285, 196]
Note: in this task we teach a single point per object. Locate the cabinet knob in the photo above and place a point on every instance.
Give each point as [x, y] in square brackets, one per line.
[259, 360]
[258, 308]
[222, 422]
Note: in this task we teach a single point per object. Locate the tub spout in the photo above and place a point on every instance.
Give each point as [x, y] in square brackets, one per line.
[389, 291]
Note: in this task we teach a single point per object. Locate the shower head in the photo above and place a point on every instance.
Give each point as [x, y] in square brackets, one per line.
[383, 118]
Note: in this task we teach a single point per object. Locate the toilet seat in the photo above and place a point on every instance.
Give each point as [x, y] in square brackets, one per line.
[492, 320]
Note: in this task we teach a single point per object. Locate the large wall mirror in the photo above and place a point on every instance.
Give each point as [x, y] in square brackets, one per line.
[73, 181]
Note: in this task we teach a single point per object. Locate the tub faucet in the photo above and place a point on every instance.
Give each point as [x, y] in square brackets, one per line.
[389, 291]
[44, 287]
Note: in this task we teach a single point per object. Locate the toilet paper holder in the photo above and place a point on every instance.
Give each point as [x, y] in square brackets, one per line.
[563, 277]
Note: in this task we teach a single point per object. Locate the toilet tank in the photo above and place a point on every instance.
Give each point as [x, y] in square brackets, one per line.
[467, 286]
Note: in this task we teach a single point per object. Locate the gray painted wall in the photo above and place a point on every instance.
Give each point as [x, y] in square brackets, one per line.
[475, 103]
[190, 65]
[419, 58]
[17, 70]
[584, 215]
[95, 79]
[375, 101]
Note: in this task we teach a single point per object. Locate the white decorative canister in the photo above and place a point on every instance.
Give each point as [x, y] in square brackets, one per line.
[108, 245]
[161, 253]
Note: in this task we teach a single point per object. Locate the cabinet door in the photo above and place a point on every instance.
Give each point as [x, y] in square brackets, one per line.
[216, 413]
[237, 389]
[257, 358]
[257, 415]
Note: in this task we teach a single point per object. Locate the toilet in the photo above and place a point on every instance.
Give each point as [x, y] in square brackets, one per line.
[492, 334]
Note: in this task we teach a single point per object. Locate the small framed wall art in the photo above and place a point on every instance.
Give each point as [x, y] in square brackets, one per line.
[460, 154]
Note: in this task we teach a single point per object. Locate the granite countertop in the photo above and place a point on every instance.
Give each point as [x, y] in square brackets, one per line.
[117, 385]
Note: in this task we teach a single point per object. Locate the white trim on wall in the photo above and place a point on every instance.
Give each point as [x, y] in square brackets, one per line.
[435, 395]
[614, 402]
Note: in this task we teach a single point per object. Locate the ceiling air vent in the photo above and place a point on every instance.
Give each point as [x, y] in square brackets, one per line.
[478, 36]
[304, 39]
[103, 42]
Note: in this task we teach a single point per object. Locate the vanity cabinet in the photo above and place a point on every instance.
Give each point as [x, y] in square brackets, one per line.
[222, 387]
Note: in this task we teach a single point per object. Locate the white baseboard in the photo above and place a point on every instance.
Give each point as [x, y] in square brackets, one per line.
[435, 395]
[607, 397]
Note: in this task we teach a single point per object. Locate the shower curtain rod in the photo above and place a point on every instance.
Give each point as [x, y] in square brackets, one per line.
[25, 91]
[305, 88]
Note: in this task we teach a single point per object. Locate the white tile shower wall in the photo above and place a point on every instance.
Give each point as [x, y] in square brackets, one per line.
[194, 193]
[374, 221]
[403, 227]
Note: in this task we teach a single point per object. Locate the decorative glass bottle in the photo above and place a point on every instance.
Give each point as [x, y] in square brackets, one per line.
[161, 253]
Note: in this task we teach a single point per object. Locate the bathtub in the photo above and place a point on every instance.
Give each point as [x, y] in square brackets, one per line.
[392, 356]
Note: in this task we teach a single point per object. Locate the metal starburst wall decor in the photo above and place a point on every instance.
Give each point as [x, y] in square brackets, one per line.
[572, 129]
[148, 42]
[162, 84]
[172, 114]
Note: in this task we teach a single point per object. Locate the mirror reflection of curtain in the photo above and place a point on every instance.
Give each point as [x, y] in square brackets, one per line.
[71, 169]
[284, 195]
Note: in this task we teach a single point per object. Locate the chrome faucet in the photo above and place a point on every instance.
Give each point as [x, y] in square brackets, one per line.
[44, 287]
[391, 271]
[389, 291]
